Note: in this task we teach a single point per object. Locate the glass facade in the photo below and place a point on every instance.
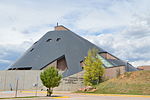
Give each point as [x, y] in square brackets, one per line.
[105, 62]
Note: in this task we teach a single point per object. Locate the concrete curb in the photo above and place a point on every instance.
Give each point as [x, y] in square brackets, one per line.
[123, 95]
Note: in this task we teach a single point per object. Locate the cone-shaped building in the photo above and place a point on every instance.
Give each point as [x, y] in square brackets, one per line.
[65, 50]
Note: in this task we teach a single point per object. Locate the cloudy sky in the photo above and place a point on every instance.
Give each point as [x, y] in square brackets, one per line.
[121, 27]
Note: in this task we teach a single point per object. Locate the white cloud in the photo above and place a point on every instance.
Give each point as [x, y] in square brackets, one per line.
[126, 22]
[5, 61]
[28, 20]
[110, 15]
[132, 43]
[140, 63]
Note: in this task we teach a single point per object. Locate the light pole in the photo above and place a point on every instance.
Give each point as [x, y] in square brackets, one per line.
[36, 86]
[16, 87]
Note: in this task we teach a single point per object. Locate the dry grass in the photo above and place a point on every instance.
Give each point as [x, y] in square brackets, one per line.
[129, 83]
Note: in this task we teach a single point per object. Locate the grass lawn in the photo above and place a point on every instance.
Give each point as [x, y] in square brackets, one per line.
[135, 83]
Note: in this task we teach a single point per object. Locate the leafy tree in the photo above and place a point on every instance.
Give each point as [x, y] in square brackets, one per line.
[93, 68]
[50, 79]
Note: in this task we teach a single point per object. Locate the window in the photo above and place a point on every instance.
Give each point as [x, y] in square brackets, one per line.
[10, 69]
[31, 49]
[24, 68]
[48, 40]
[61, 63]
[35, 42]
[58, 39]
[82, 64]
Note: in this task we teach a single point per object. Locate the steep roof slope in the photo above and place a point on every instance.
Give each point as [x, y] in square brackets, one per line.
[53, 45]
[57, 44]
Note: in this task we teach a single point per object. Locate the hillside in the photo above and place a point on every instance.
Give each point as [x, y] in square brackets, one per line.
[137, 82]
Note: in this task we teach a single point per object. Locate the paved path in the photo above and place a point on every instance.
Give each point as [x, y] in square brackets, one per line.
[62, 95]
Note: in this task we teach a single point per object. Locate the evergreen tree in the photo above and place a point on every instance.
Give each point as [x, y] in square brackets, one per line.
[93, 68]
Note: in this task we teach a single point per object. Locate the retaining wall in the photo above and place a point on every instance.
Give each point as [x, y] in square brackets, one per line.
[28, 78]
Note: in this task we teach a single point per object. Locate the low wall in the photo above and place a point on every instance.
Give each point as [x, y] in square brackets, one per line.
[71, 83]
[28, 78]
[112, 72]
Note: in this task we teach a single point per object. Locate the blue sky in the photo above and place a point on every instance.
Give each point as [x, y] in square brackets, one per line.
[121, 27]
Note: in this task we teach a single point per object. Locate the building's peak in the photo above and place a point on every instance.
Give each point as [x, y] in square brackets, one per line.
[61, 28]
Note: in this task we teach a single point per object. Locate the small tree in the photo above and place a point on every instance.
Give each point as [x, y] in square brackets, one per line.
[50, 79]
[93, 68]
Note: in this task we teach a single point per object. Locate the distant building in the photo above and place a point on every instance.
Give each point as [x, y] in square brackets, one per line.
[147, 67]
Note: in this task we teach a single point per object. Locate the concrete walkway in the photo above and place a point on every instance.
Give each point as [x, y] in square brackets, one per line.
[65, 95]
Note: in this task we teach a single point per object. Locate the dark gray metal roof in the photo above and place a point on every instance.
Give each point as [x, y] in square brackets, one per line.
[53, 45]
